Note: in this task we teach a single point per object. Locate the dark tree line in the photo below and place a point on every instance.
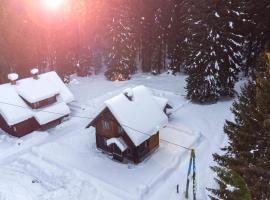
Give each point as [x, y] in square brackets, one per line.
[211, 41]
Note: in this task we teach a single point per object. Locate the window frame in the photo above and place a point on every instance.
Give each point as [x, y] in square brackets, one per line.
[105, 124]
[120, 130]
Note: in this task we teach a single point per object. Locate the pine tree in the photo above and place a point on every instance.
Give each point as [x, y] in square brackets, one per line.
[181, 16]
[160, 36]
[121, 35]
[202, 70]
[257, 29]
[214, 49]
[231, 186]
[249, 136]
[147, 36]
[154, 23]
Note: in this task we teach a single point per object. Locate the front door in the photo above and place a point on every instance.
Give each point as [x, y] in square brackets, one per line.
[117, 153]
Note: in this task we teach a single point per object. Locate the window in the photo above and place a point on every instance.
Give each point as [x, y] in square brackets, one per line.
[36, 105]
[120, 129]
[105, 124]
[146, 144]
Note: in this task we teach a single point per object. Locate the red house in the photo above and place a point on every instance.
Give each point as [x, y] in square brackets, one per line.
[128, 126]
[34, 103]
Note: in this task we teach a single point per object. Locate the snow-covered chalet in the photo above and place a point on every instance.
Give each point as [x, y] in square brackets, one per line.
[33, 103]
[128, 125]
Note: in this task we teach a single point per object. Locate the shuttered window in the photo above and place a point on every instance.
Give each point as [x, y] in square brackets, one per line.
[105, 124]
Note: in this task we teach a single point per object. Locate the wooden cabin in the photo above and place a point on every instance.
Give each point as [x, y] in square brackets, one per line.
[128, 127]
[34, 103]
[21, 128]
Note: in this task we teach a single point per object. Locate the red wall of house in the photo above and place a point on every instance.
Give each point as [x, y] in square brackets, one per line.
[20, 129]
[23, 128]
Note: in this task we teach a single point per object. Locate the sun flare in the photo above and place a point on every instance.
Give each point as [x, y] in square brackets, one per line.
[53, 4]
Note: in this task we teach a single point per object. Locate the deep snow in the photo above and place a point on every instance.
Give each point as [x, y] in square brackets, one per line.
[63, 162]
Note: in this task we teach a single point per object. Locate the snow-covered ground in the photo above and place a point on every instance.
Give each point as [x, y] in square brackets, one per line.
[63, 162]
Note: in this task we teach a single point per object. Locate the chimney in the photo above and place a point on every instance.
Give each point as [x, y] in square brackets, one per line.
[129, 94]
[34, 72]
[13, 77]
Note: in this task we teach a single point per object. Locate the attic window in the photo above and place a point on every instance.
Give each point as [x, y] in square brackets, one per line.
[105, 124]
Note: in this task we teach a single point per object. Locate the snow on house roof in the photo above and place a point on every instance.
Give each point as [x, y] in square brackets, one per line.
[13, 114]
[52, 113]
[65, 93]
[13, 76]
[140, 117]
[34, 71]
[162, 102]
[47, 85]
[36, 90]
[119, 142]
[14, 110]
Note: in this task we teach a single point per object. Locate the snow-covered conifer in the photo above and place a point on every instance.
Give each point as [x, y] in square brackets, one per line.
[121, 35]
[248, 151]
[214, 49]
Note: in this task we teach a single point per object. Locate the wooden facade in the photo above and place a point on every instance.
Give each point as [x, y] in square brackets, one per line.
[107, 127]
[20, 129]
[38, 110]
[42, 103]
[25, 127]
[52, 123]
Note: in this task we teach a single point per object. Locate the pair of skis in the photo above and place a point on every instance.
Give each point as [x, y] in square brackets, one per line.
[191, 175]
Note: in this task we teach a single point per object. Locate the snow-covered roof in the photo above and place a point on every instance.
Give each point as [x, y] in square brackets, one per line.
[119, 142]
[36, 90]
[13, 114]
[46, 86]
[14, 110]
[162, 102]
[53, 78]
[140, 117]
[51, 113]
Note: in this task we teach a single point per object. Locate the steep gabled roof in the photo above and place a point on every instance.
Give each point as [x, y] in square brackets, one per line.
[14, 110]
[65, 93]
[47, 85]
[36, 90]
[51, 113]
[140, 117]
